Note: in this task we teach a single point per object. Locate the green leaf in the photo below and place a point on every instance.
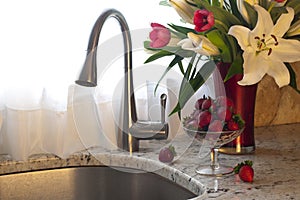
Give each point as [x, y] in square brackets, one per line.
[164, 3]
[293, 81]
[276, 12]
[237, 168]
[182, 30]
[219, 39]
[252, 14]
[235, 10]
[189, 87]
[292, 3]
[215, 3]
[172, 49]
[158, 55]
[176, 60]
[235, 47]
[184, 53]
[186, 76]
[235, 68]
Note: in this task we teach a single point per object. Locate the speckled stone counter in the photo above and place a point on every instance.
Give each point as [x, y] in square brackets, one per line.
[276, 164]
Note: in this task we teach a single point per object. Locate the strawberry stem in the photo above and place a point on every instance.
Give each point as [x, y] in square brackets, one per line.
[237, 168]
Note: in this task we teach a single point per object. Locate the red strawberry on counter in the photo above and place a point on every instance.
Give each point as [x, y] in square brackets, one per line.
[167, 154]
[245, 171]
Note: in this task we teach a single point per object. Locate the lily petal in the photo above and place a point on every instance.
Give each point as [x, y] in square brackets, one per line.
[284, 22]
[264, 23]
[241, 34]
[287, 50]
[255, 67]
[199, 44]
[203, 45]
[186, 44]
[279, 72]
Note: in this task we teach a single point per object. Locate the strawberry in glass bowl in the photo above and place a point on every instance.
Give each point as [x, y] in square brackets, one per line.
[214, 122]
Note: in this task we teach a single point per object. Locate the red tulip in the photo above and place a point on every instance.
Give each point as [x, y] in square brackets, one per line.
[203, 20]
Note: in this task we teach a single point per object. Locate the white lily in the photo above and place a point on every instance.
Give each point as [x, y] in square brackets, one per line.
[265, 51]
[184, 10]
[199, 44]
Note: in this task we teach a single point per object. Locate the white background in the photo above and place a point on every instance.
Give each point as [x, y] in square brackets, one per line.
[43, 42]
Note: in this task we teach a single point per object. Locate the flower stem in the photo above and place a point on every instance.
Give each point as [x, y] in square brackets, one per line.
[271, 7]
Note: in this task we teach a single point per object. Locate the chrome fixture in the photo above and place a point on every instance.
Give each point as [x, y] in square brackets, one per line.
[132, 129]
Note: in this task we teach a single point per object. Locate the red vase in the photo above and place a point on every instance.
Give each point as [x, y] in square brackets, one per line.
[244, 100]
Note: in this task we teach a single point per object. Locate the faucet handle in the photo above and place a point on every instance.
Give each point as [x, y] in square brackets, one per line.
[147, 130]
[163, 102]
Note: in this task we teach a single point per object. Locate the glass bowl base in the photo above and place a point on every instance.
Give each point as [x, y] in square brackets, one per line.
[209, 171]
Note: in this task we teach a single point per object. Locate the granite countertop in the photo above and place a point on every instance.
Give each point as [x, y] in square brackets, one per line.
[276, 165]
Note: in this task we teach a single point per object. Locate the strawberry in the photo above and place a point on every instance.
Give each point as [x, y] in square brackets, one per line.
[195, 114]
[167, 154]
[216, 126]
[245, 171]
[204, 118]
[206, 104]
[224, 113]
[224, 101]
[213, 107]
[199, 102]
[232, 125]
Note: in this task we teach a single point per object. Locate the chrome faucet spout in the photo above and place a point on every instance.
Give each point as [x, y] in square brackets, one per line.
[88, 75]
[88, 78]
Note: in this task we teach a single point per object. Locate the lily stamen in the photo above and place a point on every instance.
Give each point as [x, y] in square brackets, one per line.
[263, 44]
[270, 51]
[274, 37]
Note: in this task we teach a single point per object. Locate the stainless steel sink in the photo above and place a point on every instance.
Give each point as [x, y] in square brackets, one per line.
[87, 183]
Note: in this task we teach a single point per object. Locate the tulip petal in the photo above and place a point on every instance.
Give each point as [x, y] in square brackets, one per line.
[160, 36]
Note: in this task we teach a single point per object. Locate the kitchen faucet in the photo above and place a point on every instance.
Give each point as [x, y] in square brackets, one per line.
[132, 129]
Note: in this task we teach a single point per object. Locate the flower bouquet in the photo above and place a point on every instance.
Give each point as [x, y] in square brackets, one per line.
[255, 37]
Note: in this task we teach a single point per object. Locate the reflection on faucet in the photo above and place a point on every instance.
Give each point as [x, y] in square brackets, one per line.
[132, 130]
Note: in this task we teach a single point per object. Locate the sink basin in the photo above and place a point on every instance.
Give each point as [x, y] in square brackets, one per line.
[87, 183]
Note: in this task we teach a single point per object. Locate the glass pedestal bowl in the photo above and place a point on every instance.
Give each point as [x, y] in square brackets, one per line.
[213, 140]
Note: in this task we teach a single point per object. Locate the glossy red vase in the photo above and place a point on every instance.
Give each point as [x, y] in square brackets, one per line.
[244, 100]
